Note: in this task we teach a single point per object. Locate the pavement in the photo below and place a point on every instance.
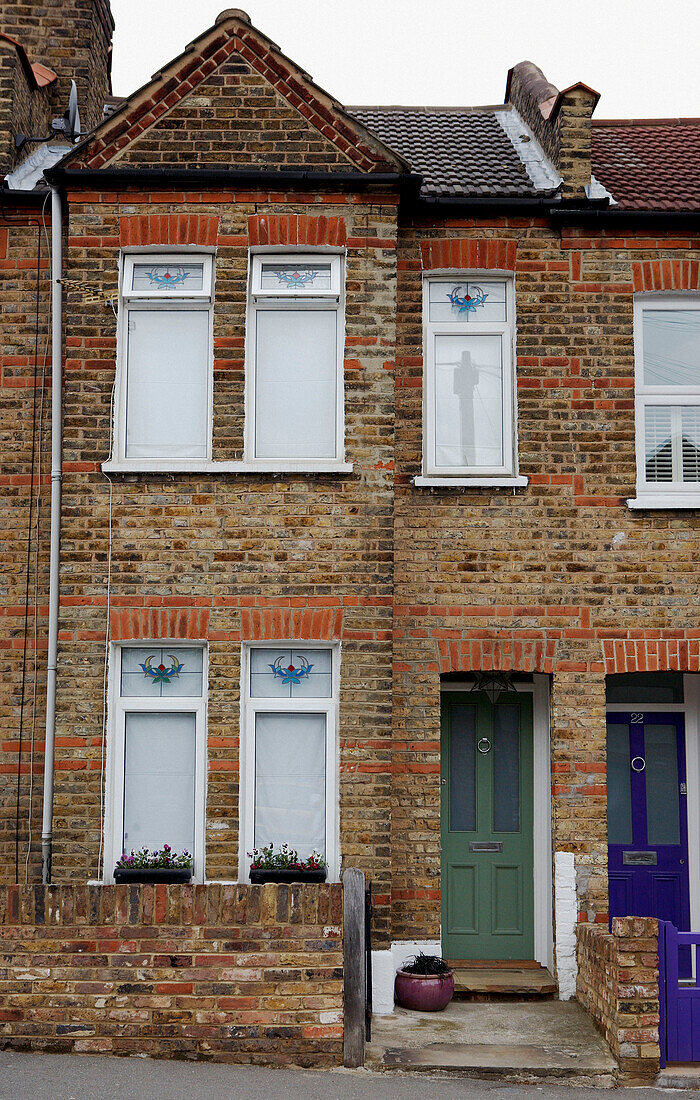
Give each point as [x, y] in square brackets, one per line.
[85, 1077]
[548, 1039]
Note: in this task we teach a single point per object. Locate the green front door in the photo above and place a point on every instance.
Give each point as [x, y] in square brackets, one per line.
[486, 826]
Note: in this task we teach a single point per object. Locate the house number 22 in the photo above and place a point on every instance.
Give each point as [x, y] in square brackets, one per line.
[636, 718]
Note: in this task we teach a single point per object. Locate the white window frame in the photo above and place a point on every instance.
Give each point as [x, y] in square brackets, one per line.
[197, 300]
[291, 298]
[249, 707]
[507, 473]
[116, 738]
[659, 494]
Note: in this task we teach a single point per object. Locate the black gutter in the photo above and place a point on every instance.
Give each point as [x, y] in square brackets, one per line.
[238, 177]
[547, 203]
[612, 216]
[493, 202]
[11, 197]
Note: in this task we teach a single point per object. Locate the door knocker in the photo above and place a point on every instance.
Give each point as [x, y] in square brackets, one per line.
[484, 745]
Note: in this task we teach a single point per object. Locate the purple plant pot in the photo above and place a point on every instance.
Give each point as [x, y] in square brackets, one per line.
[424, 992]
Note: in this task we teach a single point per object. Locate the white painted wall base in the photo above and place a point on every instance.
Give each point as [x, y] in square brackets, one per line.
[565, 923]
[384, 967]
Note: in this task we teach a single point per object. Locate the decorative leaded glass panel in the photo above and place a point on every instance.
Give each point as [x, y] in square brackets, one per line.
[290, 673]
[304, 278]
[168, 278]
[155, 672]
[484, 300]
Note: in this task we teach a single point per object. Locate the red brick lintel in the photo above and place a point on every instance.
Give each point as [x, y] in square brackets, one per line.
[466, 254]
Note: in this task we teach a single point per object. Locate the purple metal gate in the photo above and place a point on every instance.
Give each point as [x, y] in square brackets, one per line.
[679, 999]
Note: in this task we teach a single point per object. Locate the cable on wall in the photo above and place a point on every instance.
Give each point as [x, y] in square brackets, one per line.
[105, 668]
[23, 222]
[37, 512]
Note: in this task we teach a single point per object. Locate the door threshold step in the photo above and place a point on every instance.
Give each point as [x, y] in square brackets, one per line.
[502, 983]
[502, 1063]
[494, 964]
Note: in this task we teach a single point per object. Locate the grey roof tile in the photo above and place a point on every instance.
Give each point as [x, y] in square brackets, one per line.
[460, 153]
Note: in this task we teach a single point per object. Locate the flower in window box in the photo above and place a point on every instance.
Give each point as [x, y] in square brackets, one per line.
[286, 865]
[160, 865]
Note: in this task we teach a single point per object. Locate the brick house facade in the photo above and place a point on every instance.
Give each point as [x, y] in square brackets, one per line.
[559, 571]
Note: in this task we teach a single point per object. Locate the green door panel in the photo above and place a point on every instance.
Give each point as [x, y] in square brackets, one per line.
[486, 826]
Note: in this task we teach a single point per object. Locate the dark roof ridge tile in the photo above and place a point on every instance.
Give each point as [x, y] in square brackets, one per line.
[429, 109]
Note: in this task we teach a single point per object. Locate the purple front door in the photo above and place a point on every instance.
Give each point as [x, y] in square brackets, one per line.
[647, 821]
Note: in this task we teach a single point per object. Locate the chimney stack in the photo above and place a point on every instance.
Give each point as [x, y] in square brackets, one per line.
[561, 122]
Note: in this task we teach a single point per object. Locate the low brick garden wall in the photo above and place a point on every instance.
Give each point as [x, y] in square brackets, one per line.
[618, 984]
[227, 973]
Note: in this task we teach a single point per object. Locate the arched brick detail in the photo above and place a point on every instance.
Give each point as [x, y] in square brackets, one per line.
[296, 229]
[651, 655]
[143, 229]
[485, 654]
[666, 274]
[462, 254]
[133, 623]
[276, 623]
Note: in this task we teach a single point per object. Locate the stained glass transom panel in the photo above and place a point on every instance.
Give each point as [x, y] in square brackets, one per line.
[170, 671]
[290, 673]
[305, 278]
[168, 278]
[467, 302]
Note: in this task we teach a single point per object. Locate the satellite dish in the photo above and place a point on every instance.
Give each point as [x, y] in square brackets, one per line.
[73, 114]
[69, 123]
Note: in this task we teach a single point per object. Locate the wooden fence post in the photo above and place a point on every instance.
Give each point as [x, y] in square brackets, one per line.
[354, 963]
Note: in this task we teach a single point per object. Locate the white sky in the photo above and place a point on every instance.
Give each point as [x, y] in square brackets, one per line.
[641, 55]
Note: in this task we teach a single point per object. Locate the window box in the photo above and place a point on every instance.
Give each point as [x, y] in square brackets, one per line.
[271, 875]
[153, 874]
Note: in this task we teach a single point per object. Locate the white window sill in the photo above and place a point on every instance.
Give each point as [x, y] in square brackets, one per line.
[471, 482]
[153, 466]
[664, 500]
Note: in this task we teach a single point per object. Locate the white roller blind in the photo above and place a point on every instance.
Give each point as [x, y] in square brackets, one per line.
[290, 781]
[167, 383]
[159, 767]
[296, 383]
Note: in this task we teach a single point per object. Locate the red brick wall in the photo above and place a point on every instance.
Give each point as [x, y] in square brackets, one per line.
[226, 973]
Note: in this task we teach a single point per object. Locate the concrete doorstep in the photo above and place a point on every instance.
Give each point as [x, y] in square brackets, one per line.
[680, 1076]
[517, 1041]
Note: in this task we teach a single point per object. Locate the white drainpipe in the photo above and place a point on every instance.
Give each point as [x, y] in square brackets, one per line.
[55, 537]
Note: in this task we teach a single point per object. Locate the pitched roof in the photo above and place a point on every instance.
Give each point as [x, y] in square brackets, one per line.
[649, 164]
[465, 152]
[233, 33]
